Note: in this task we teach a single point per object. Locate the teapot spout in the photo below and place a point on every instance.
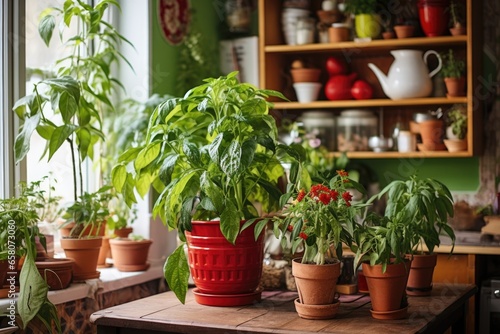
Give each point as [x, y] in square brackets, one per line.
[382, 78]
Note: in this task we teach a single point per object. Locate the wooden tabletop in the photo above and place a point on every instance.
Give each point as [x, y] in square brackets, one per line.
[276, 314]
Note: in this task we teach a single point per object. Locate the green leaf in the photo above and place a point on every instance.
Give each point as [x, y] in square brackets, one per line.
[118, 177]
[84, 139]
[231, 158]
[192, 153]
[22, 142]
[143, 183]
[247, 154]
[59, 135]
[67, 106]
[32, 292]
[65, 84]
[213, 148]
[230, 222]
[167, 168]
[45, 131]
[147, 155]
[46, 27]
[176, 273]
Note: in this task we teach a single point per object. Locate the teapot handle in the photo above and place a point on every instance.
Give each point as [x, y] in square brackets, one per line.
[440, 62]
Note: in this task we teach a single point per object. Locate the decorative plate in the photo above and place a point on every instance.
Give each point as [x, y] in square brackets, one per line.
[173, 16]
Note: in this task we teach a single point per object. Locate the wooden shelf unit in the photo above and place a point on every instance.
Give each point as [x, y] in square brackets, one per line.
[276, 58]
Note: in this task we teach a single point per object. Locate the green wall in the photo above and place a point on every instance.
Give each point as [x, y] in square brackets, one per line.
[166, 57]
[459, 174]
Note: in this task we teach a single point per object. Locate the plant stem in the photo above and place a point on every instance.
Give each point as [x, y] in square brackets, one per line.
[73, 162]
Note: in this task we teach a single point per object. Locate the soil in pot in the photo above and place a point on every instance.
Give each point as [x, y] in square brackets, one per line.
[420, 276]
[58, 273]
[130, 255]
[85, 253]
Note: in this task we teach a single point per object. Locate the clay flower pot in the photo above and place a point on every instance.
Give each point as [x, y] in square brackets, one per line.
[316, 288]
[58, 273]
[458, 31]
[455, 86]
[130, 255]
[432, 133]
[305, 74]
[388, 34]
[85, 253]
[456, 145]
[338, 33]
[420, 276]
[404, 31]
[123, 232]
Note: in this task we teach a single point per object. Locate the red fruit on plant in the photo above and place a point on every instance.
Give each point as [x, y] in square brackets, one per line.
[338, 87]
[336, 66]
[361, 90]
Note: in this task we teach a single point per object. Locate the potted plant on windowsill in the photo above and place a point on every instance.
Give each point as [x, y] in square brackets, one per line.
[321, 219]
[18, 227]
[457, 129]
[453, 73]
[210, 155]
[69, 108]
[131, 253]
[425, 206]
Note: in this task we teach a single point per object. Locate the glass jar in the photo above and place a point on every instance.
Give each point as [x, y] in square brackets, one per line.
[321, 124]
[354, 128]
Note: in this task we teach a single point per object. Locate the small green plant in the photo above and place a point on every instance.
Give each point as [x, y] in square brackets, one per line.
[452, 67]
[19, 215]
[456, 19]
[457, 120]
[361, 6]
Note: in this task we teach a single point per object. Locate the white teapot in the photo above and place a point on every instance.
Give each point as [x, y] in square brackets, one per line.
[408, 76]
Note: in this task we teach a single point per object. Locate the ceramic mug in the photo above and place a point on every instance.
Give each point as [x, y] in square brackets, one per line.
[407, 142]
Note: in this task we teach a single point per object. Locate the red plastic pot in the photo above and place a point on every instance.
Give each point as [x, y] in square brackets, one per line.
[434, 18]
[219, 267]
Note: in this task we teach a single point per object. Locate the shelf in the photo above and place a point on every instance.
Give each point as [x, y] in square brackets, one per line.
[369, 103]
[394, 154]
[423, 42]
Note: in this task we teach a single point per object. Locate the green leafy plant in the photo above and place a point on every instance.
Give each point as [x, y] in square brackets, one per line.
[452, 67]
[209, 155]
[457, 120]
[456, 19]
[321, 218]
[424, 205]
[362, 6]
[70, 107]
[20, 214]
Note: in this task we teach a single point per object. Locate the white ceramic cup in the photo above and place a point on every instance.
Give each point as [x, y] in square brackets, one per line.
[307, 91]
[407, 141]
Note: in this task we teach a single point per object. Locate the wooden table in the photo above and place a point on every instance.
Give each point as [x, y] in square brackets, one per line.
[276, 314]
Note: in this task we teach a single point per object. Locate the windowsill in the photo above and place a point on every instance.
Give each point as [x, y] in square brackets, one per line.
[111, 279]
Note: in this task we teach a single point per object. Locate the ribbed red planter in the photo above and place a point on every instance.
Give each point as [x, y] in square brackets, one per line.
[219, 267]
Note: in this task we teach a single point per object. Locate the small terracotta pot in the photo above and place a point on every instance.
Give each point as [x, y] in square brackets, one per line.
[456, 145]
[57, 272]
[130, 255]
[305, 74]
[338, 34]
[85, 253]
[388, 34]
[458, 31]
[455, 86]
[404, 31]
[123, 232]
[432, 133]
[420, 276]
[387, 288]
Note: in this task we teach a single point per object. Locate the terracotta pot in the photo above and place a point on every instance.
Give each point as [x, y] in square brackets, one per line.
[458, 31]
[4, 266]
[455, 86]
[123, 232]
[130, 255]
[328, 17]
[432, 134]
[387, 289]
[388, 34]
[420, 276]
[85, 253]
[305, 74]
[434, 18]
[404, 31]
[338, 34]
[56, 272]
[221, 268]
[316, 283]
[104, 252]
[456, 145]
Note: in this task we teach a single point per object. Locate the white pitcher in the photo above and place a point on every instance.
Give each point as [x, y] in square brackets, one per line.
[408, 76]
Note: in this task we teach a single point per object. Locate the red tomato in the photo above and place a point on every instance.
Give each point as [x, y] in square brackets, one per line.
[361, 90]
[336, 66]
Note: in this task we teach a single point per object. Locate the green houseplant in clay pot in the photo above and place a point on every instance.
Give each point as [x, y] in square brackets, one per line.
[425, 205]
[453, 71]
[321, 220]
[456, 131]
[381, 245]
[366, 20]
[210, 156]
[68, 108]
[18, 227]
[457, 23]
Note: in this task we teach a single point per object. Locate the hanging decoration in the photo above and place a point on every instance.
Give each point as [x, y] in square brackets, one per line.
[173, 16]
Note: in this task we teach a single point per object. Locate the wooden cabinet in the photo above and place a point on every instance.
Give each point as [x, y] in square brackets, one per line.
[276, 58]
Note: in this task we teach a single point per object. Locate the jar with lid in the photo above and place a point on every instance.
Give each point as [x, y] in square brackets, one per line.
[354, 128]
[322, 125]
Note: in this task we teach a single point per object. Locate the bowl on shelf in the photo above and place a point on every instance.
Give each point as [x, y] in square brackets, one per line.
[307, 91]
